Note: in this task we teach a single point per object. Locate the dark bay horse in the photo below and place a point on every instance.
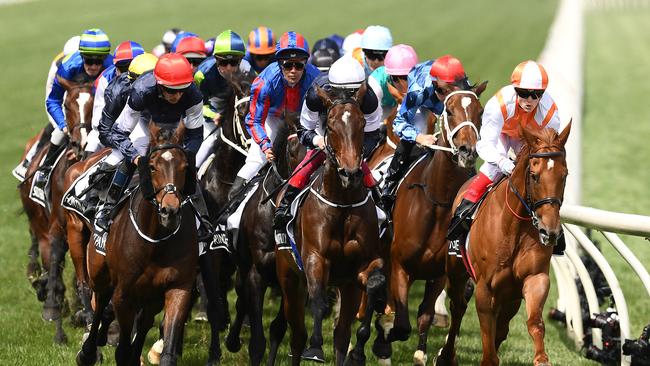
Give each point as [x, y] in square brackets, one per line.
[423, 211]
[151, 255]
[255, 254]
[337, 237]
[78, 110]
[510, 246]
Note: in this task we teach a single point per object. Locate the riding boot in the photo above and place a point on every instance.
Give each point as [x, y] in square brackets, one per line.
[237, 186]
[461, 220]
[396, 170]
[41, 176]
[97, 183]
[205, 229]
[118, 184]
[283, 215]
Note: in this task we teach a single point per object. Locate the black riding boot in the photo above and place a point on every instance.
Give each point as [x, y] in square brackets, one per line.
[396, 170]
[283, 215]
[205, 229]
[97, 182]
[118, 184]
[237, 186]
[40, 178]
[461, 220]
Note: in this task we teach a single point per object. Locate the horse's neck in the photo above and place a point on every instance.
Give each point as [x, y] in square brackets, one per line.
[227, 127]
[333, 190]
[444, 177]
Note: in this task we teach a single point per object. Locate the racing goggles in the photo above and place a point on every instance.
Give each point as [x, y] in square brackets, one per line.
[526, 93]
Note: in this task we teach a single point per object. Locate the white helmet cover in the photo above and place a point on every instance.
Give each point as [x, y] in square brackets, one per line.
[72, 45]
[346, 72]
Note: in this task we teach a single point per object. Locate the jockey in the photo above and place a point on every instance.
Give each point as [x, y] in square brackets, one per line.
[165, 96]
[71, 46]
[400, 59]
[281, 86]
[124, 53]
[522, 103]
[344, 79]
[193, 48]
[210, 76]
[324, 53]
[375, 43]
[351, 42]
[166, 43]
[115, 97]
[423, 92]
[338, 39]
[179, 38]
[261, 48]
[82, 66]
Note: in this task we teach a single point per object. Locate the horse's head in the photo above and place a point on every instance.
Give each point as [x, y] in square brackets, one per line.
[167, 166]
[543, 160]
[241, 85]
[461, 121]
[78, 106]
[344, 131]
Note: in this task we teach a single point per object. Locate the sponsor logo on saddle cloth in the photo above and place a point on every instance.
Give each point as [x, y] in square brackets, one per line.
[41, 196]
[74, 198]
[100, 242]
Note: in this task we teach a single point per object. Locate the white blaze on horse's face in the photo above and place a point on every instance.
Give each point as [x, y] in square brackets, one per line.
[82, 99]
[346, 117]
[465, 102]
[167, 155]
[550, 164]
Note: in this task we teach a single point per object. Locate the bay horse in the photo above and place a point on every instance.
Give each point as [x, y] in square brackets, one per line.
[510, 246]
[151, 255]
[337, 237]
[422, 212]
[255, 255]
[78, 110]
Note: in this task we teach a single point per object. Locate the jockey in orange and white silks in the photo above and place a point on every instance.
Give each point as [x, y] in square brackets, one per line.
[523, 103]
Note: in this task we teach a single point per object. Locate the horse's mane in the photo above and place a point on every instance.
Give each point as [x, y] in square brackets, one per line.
[545, 139]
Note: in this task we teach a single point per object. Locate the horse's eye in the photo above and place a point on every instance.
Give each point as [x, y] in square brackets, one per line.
[152, 168]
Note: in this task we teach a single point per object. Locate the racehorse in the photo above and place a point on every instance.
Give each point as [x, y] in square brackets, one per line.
[337, 237]
[422, 212]
[151, 255]
[78, 110]
[510, 245]
[255, 255]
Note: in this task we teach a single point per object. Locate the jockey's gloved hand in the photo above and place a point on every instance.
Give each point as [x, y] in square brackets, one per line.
[506, 166]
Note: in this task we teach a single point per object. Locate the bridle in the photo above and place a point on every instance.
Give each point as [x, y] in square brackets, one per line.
[330, 153]
[449, 133]
[529, 205]
[242, 145]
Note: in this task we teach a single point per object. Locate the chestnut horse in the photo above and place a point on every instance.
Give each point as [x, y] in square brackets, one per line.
[510, 245]
[423, 211]
[78, 110]
[337, 237]
[151, 255]
[255, 255]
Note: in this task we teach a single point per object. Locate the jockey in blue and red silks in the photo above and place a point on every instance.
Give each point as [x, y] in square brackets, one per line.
[281, 86]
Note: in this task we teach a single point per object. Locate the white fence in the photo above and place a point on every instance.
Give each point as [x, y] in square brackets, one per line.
[569, 268]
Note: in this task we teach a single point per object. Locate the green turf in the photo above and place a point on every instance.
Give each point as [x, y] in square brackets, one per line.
[490, 38]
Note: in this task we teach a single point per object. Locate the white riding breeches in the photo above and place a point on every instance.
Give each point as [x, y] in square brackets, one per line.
[256, 157]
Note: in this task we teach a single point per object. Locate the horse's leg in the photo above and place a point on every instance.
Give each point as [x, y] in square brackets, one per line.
[125, 311]
[458, 306]
[277, 331]
[399, 288]
[210, 284]
[293, 300]
[88, 353]
[254, 289]
[55, 286]
[441, 316]
[76, 244]
[177, 306]
[350, 300]
[33, 267]
[508, 310]
[486, 309]
[142, 326]
[535, 291]
[317, 275]
[426, 313]
[233, 342]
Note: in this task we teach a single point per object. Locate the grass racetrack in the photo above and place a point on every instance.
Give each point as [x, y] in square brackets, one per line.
[490, 39]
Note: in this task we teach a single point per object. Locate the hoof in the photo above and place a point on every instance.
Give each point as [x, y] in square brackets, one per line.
[88, 360]
[60, 337]
[399, 334]
[419, 358]
[382, 350]
[233, 343]
[440, 321]
[153, 356]
[51, 313]
[201, 316]
[314, 354]
[441, 360]
[353, 360]
[113, 336]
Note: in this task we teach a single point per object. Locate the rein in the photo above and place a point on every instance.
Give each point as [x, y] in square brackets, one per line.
[528, 203]
[145, 236]
[450, 133]
[238, 130]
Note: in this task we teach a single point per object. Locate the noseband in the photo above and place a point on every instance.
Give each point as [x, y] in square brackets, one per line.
[528, 203]
[329, 150]
[444, 121]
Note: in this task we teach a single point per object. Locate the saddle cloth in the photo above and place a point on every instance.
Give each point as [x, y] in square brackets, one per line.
[38, 195]
[76, 194]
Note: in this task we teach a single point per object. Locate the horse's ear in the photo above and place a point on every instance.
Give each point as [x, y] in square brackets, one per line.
[361, 92]
[154, 130]
[442, 87]
[395, 93]
[292, 119]
[327, 102]
[179, 134]
[564, 135]
[480, 88]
